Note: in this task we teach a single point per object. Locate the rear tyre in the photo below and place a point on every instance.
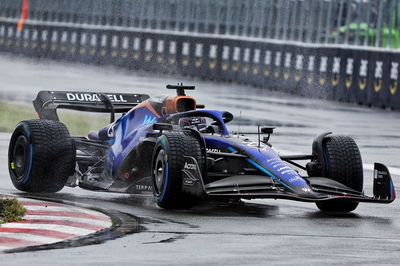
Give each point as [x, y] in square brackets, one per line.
[167, 165]
[41, 156]
[343, 164]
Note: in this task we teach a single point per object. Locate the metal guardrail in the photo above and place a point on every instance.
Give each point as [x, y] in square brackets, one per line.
[351, 22]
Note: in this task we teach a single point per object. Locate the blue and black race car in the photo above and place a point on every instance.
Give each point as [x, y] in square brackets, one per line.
[181, 153]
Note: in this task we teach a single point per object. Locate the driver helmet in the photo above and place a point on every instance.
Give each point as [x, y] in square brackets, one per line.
[193, 122]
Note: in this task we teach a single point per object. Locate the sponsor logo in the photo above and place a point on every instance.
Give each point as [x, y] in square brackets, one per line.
[136, 44]
[198, 50]
[283, 168]
[306, 189]
[267, 59]
[394, 74]
[190, 166]
[160, 46]
[298, 66]
[379, 174]
[363, 74]
[144, 188]
[189, 176]
[293, 172]
[125, 42]
[299, 62]
[287, 64]
[277, 63]
[198, 62]
[378, 76]
[148, 119]
[148, 47]
[172, 47]
[294, 179]
[213, 51]
[256, 56]
[336, 65]
[188, 182]
[225, 52]
[93, 97]
[278, 57]
[236, 54]
[246, 55]
[288, 60]
[310, 69]
[213, 150]
[185, 48]
[156, 100]
[323, 67]
[336, 71]
[349, 72]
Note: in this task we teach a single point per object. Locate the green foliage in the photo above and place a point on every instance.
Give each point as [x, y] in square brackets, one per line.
[78, 123]
[11, 210]
[11, 114]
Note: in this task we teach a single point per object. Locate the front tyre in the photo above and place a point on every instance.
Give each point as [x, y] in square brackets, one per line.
[41, 156]
[343, 163]
[167, 165]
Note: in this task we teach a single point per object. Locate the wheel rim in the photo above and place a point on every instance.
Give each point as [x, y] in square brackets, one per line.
[20, 158]
[159, 171]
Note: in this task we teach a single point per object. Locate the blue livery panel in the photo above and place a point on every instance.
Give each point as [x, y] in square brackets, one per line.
[128, 131]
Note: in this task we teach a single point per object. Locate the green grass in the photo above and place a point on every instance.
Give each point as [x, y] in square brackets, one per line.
[11, 114]
[11, 210]
[78, 123]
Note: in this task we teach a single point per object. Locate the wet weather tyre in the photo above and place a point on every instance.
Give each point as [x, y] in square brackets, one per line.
[343, 163]
[41, 156]
[167, 165]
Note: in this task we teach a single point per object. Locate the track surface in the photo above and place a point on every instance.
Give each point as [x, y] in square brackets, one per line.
[258, 232]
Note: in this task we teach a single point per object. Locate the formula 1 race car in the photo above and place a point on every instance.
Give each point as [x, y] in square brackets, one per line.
[182, 154]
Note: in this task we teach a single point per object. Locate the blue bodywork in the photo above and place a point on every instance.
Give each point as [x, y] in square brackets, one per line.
[132, 128]
[265, 159]
[128, 131]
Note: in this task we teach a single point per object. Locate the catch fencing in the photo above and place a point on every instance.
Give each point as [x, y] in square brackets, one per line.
[363, 75]
[350, 22]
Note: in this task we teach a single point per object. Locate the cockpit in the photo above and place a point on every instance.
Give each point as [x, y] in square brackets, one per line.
[201, 124]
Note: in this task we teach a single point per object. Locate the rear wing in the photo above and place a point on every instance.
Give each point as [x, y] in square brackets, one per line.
[47, 102]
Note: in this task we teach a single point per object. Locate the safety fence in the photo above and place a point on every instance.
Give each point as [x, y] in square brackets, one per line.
[368, 77]
[351, 22]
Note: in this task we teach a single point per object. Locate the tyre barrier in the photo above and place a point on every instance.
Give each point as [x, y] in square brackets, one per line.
[364, 76]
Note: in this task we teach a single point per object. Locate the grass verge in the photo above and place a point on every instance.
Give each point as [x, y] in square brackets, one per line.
[78, 123]
[11, 210]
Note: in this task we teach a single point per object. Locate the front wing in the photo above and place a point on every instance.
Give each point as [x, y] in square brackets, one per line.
[253, 186]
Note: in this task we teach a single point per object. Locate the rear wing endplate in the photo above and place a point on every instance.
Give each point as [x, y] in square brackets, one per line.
[47, 102]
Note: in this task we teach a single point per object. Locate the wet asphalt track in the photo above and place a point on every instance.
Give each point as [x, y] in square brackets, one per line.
[258, 232]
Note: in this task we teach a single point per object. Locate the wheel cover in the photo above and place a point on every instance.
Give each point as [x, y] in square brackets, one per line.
[160, 171]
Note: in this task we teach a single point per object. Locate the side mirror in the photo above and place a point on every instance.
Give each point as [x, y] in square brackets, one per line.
[267, 130]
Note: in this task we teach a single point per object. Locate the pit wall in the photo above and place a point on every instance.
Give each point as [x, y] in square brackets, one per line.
[358, 75]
